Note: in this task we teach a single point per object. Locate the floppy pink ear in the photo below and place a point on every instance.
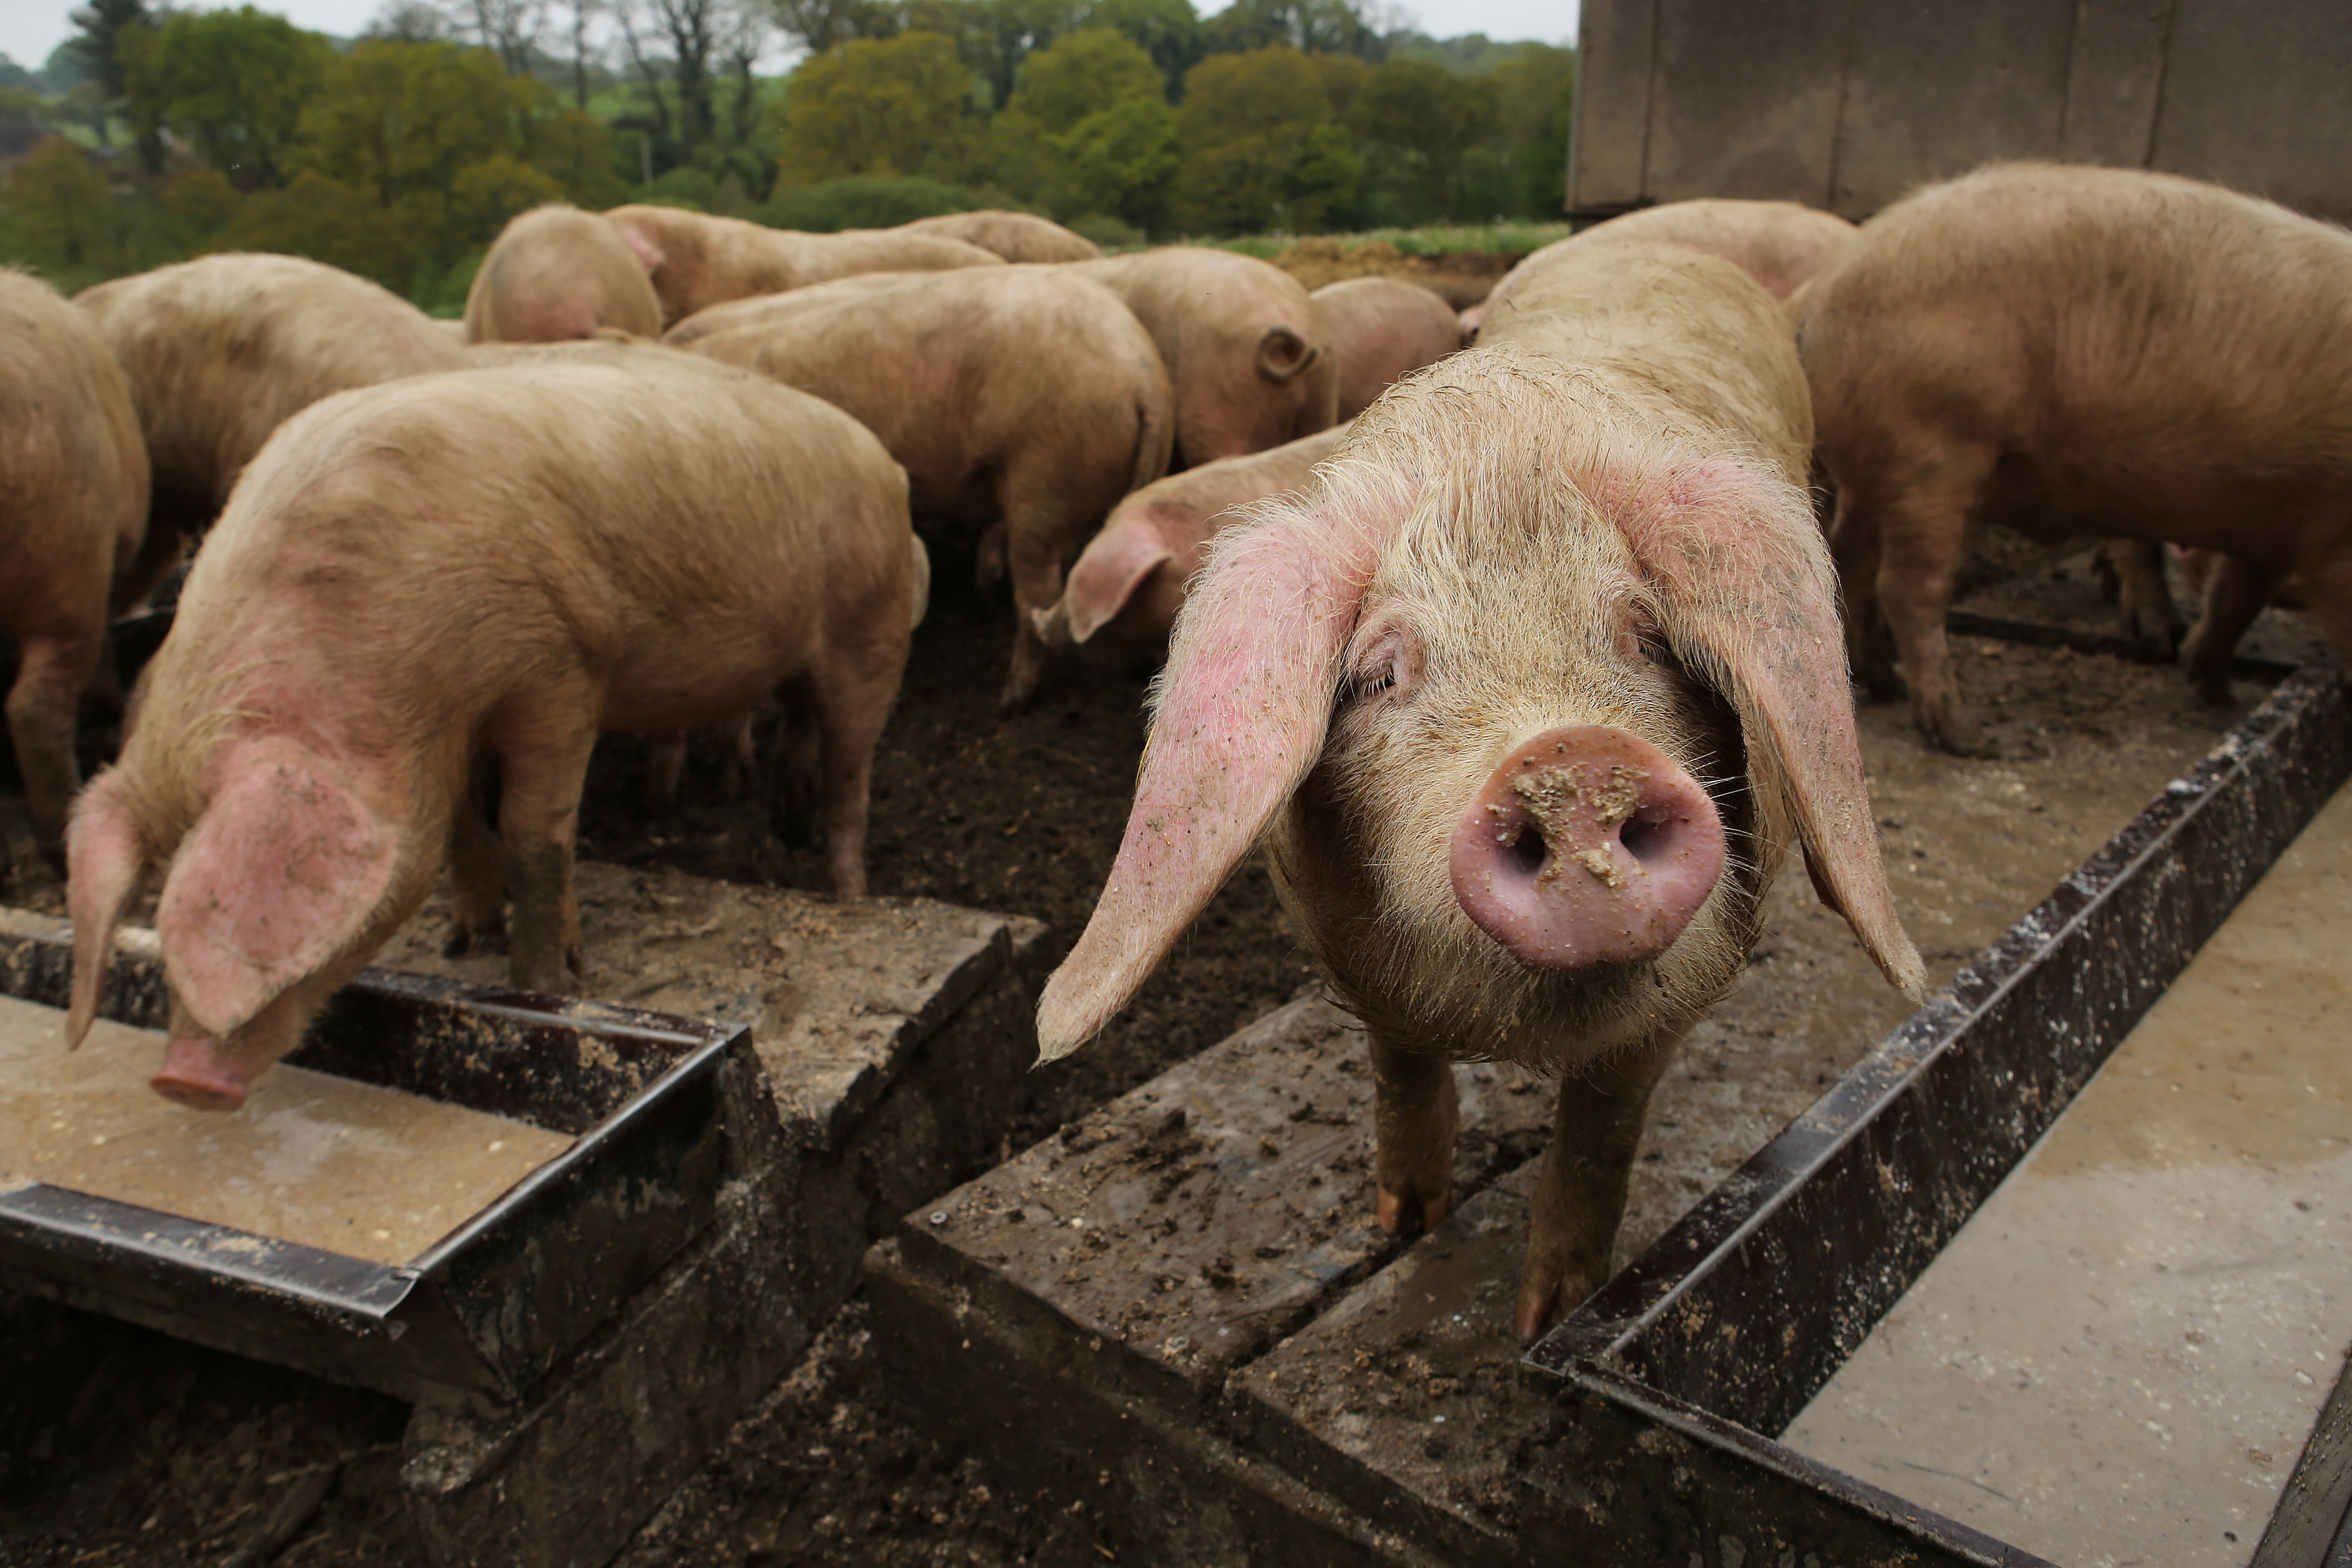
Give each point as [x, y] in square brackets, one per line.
[1243, 706]
[104, 860]
[649, 255]
[280, 873]
[1113, 565]
[1750, 599]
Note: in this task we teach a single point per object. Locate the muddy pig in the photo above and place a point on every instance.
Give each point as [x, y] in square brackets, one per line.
[556, 273]
[1779, 244]
[1246, 348]
[1028, 396]
[2077, 351]
[73, 509]
[1016, 236]
[1524, 700]
[482, 569]
[1382, 329]
[222, 349]
[1128, 584]
[697, 260]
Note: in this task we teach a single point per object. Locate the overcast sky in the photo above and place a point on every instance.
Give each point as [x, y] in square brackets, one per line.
[29, 29]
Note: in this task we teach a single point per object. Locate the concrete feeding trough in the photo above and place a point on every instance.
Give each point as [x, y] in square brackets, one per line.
[1680, 1373]
[638, 1102]
[1178, 1314]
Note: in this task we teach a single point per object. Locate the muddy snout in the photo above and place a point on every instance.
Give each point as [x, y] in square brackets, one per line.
[1586, 846]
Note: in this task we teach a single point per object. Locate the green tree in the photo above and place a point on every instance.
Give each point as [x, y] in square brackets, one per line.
[1169, 31]
[1117, 162]
[97, 43]
[1083, 74]
[1534, 88]
[1246, 122]
[400, 120]
[1316, 27]
[879, 106]
[818, 24]
[1418, 120]
[233, 84]
[57, 214]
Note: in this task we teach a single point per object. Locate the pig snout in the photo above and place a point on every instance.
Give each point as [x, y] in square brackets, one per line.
[197, 1073]
[1587, 846]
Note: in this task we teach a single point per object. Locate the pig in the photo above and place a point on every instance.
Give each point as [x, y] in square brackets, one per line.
[1524, 700]
[1123, 592]
[755, 309]
[1381, 328]
[696, 260]
[73, 470]
[222, 349]
[556, 273]
[1246, 348]
[476, 569]
[1779, 244]
[1016, 236]
[1028, 396]
[2079, 351]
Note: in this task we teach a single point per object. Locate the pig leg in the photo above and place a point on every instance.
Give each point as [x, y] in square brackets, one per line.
[2235, 592]
[665, 765]
[1920, 521]
[1579, 1194]
[792, 790]
[51, 673]
[539, 819]
[852, 698]
[1853, 545]
[1416, 1116]
[476, 870]
[1036, 538]
[2142, 593]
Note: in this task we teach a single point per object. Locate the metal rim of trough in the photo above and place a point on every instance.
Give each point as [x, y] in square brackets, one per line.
[1684, 1367]
[445, 1326]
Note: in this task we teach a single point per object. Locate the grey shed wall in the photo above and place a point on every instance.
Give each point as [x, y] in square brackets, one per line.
[1847, 104]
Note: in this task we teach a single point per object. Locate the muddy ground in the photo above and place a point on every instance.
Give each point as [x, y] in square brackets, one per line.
[119, 1446]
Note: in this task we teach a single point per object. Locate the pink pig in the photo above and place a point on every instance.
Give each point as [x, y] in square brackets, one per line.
[1524, 700]
[485, 568]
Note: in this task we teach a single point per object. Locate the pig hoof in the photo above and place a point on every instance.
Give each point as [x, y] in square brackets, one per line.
[1536, 1305]
[1396, 1209]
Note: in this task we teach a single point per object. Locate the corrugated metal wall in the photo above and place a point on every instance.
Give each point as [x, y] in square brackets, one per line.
[1846, 104]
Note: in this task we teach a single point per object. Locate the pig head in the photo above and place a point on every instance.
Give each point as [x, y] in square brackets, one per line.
[272, 897]
[1524, 700]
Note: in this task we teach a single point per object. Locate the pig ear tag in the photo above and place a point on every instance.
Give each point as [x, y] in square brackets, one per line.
[280, 873]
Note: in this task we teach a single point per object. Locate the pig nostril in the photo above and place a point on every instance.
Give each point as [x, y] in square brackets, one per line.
[1644, 841]
[1528, 851]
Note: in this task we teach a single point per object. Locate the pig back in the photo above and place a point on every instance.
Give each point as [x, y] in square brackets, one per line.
[73, 467]
[1687, 332]
[2124, 331]
[699, 260]
[556, 273]
[1016, 236]
[669, 533]
[221, 350]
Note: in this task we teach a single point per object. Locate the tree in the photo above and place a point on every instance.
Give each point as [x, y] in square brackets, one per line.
[1420, 120]
[1314, 26]
[995, 37]
[1246, 122]
[1167, 30]
[233, 84]
[59, 215]
[877, 106]
[1117, 161]
[683, 115]
[818, 24]
[1083, 74]
[510, 28]
[401, 119]
[97, 45]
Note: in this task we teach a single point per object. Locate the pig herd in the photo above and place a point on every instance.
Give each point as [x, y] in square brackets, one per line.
[1523, 662]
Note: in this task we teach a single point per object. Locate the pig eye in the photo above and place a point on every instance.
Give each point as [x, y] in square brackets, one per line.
[1383, 667]
[1650, 642]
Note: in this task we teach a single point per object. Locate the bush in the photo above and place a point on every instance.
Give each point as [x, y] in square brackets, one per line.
[1109, 233]
[868, 200]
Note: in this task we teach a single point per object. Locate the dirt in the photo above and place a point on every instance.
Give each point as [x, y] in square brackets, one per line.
[1461, 277]
[121, 1446]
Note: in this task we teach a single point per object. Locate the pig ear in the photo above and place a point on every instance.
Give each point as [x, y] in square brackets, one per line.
[1114, 565]
[1750, 599]
[1243, 706]
[105, 859]
[279, 874]
[648, 254]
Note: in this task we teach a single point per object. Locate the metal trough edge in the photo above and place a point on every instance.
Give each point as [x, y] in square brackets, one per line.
[1740, 1313]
